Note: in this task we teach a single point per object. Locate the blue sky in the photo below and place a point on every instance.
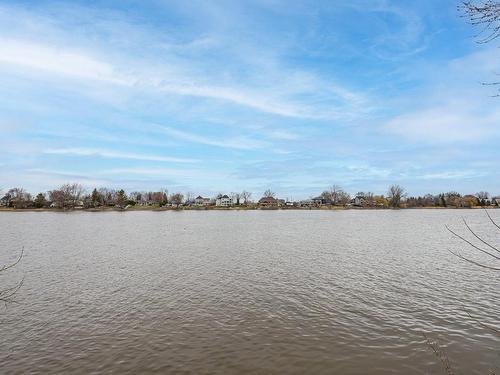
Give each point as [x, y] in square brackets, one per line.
[223, 96]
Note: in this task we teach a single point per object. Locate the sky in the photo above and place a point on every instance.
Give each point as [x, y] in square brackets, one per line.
[224, 96]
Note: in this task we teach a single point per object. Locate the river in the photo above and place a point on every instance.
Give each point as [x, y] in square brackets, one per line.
[246, 292]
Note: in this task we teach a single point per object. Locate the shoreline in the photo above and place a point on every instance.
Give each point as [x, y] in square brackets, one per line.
[241, 208]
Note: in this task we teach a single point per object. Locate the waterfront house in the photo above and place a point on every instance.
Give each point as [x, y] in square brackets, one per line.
[268, 202]
[317, 201]
[358, 200]
[5, 200]
[223, 201]
[307, 203]
[201, 201]
[321, 201]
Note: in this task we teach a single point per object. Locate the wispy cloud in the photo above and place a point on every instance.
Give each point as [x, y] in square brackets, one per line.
[446, 124]
[253, 95]
[91, 152]
[242, 143]
[168, 78]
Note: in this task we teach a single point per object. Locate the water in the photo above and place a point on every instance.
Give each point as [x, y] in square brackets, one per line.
[252, 292]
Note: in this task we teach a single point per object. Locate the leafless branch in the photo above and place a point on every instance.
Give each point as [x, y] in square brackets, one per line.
[440, 354]
[471, 244]
[6, 295]
[486, 16]
[479, 238]
[492, 221]
[481, 323]
[458, 255]
[6, 267]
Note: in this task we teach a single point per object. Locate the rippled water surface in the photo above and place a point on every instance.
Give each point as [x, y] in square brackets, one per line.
[325, 292]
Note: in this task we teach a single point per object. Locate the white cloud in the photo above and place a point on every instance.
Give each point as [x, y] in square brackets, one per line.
[242, 143]
[446, 175]
[56, 60]
[447, 123]
[115, 155]
[451, 109]
[173, 78]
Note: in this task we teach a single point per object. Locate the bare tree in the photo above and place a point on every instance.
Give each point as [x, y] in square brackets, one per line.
[246, 196]
[67, 196]
[236, 198]
[335, 193]
[482, 197]
[189, 197]
[19, 198]
[106, 196]
[176, 199]
[159, 197]
[269, 193]
[395, 194]
[484, 15]
[370, 199]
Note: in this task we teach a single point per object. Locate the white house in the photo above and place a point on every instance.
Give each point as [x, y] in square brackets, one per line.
[223, 201]
[201, 201]
[5, 201]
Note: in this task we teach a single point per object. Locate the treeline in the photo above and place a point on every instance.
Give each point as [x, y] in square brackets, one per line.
[397, 197]
[70, 196]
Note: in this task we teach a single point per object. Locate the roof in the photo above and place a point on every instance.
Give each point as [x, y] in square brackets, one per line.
[225, 196]
[267, 200]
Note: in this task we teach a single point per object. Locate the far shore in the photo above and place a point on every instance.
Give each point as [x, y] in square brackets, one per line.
[234, 208]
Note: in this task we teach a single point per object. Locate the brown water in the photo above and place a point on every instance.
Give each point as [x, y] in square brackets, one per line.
[245, 292]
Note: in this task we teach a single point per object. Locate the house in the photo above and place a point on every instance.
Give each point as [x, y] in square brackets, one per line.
[321, 201]
[307, 203]
[358, 200]
[5, 200]
[223, 201]
[268, 201]
[201, 201]
[495, 201]
[317, 201]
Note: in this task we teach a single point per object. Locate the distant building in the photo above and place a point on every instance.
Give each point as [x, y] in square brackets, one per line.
[268, 201]
[223, 201]
[307, 203]
[321, 201]
[317, 201]
[495, 201]
[5, 200]
[358, 200]
[201, 201]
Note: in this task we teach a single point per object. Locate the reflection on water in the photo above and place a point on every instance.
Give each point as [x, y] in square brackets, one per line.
[244, 292]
